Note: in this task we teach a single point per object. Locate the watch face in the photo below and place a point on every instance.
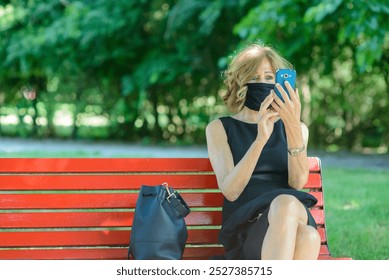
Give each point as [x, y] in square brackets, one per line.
[295, 152]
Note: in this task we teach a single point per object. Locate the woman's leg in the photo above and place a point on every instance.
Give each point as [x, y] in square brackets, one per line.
[307, 243]
[286, 215]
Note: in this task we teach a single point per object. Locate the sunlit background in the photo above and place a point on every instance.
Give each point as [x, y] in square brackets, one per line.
[150, 71]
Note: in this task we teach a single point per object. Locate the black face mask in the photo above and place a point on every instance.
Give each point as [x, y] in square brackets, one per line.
[256, 94]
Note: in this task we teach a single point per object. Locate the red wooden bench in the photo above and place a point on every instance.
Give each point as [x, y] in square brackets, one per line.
[78, 208]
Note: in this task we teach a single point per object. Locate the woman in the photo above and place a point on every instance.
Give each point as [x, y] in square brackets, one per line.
[260, 161]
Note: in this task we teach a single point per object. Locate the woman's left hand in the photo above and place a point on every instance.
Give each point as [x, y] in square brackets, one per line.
[290, 110]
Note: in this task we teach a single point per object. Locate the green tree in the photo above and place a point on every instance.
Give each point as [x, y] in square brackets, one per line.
[152, 68]
[340, 49]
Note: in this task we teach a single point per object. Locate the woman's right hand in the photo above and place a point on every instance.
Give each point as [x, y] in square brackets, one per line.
[267, 118]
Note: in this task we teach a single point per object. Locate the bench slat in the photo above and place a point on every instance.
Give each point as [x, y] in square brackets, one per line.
[314, 164]
[105, 182]
[118, 182]
[99, 165]
[105, 219]
[91, 201]
[64, 238]
[64, 253]
[90, 238]
[91, 253]
[314, 182]
[107, 253]
[91, 219]
[98, 238]
[101, 253]
[104, 200]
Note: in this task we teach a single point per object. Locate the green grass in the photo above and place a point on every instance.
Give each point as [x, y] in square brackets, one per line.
[52, 154]
[357, 212]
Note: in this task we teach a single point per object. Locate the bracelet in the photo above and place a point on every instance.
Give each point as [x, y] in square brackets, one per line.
[296, 151]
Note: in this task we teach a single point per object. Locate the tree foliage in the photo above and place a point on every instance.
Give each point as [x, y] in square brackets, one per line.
[151, 69]
[340, 48]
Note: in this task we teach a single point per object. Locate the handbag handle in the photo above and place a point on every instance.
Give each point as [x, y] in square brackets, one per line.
[166, 185]
[169, 192]
[176, 201]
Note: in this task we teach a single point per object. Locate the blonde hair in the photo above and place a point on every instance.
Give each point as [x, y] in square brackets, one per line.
[243, 68]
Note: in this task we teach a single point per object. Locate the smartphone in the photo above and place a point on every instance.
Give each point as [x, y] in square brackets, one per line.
[283, 75]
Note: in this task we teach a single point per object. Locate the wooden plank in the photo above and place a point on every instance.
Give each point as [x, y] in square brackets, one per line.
[65, 238]
[60, 165]
[324, 250]
[203, 236]
[203, 252]
[112, 254]
[98, 253]
[63, 254]
[314, 164]
[90, 238]
[105, 200]
[108, 165]
[330, 258]
[118, 181]
[322, 233]
[65, 219]
[101, 237]
[67, 201]
[65, 165]
[95, 201]
[105, 182]
[91, 219]
[318, 215]
[314, 182]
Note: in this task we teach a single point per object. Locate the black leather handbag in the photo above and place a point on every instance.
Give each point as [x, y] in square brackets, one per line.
[158, 229]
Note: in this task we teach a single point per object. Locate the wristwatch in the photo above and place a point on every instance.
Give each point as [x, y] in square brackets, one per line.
[295, 151]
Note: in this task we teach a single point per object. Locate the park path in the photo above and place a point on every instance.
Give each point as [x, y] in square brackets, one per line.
[112, 149]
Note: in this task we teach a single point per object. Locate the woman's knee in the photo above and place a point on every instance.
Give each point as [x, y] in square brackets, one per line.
[309, 234]
[307, 243]
[287, 207]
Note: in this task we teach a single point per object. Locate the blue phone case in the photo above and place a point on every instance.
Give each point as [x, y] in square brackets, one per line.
[283, 75]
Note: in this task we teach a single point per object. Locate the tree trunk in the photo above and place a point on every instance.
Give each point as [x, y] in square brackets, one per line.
[76, 112]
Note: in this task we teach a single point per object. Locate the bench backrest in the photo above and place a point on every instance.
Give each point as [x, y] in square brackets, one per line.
[78, 208]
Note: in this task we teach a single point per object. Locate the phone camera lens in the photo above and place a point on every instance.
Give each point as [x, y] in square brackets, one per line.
[286, 76]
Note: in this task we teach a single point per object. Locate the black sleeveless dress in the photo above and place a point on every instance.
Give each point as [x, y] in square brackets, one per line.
[269, 179]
